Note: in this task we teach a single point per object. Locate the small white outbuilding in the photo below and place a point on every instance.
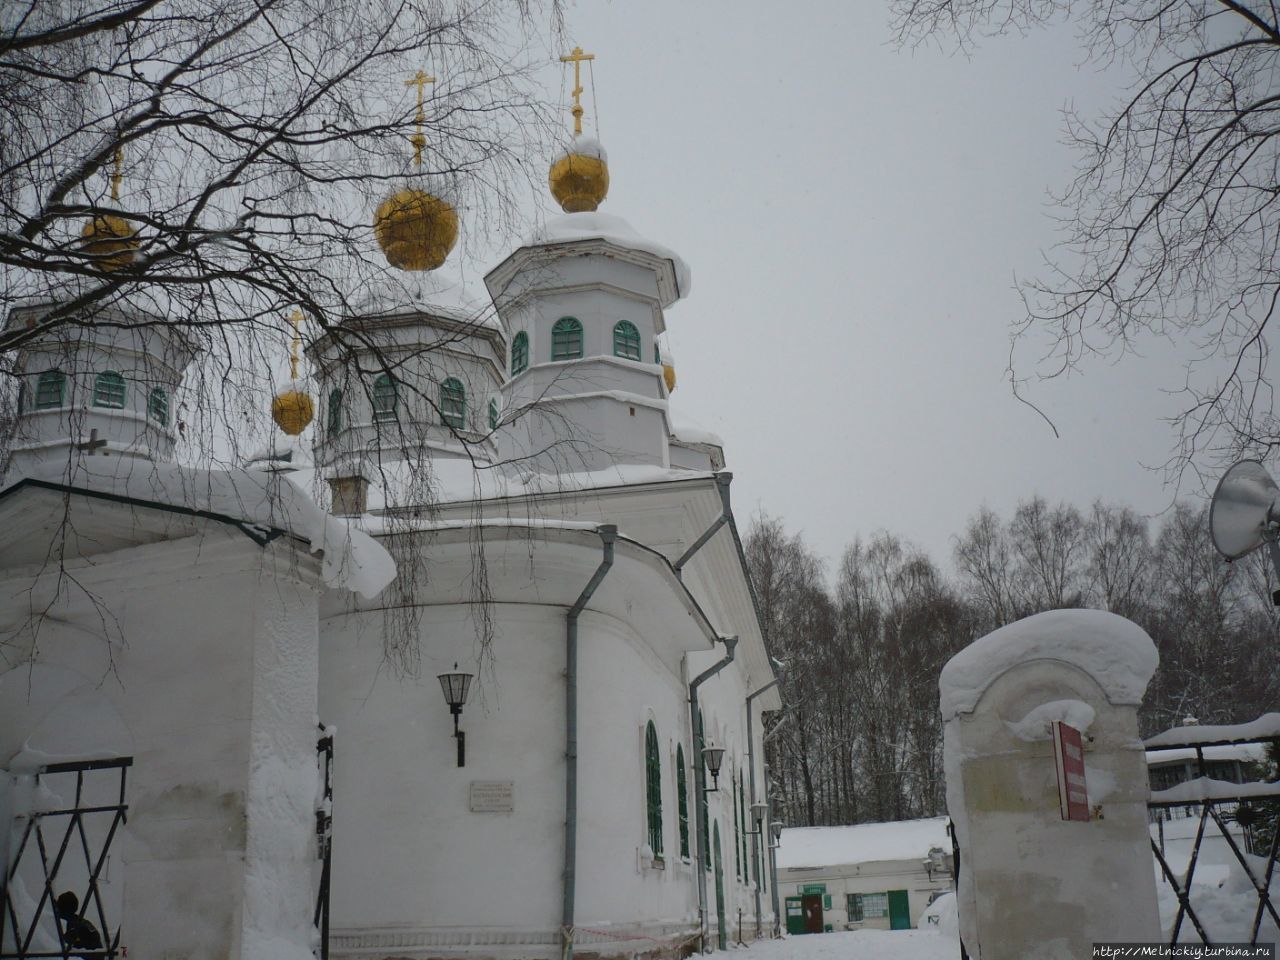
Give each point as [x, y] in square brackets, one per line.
[868, 875]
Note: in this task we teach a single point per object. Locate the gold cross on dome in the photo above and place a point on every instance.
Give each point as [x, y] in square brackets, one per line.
[116, 175]
[576, 58]
[419, 140]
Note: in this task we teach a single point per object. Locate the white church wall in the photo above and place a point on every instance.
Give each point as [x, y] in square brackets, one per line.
[185, 625]
[546, 277]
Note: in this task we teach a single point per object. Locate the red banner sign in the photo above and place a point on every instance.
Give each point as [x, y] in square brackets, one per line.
[1068, 757]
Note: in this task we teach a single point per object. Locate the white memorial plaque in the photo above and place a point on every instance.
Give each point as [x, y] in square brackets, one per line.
[492, 796]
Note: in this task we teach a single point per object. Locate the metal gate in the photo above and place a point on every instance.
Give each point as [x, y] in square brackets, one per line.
[53, 897]
[1217, 802]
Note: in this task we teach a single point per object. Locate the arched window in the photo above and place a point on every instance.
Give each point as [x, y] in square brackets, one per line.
[335, 411]
[384, 398]
[493, 414]
[22, 396]
[566, 339]
[50, 388]
[519, 353]
[682, 801]
[158, 406]
[626, 340]
[653, 789]
[453, 403]
[108, 390]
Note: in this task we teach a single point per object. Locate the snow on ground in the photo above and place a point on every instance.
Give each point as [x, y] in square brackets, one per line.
[856, 945]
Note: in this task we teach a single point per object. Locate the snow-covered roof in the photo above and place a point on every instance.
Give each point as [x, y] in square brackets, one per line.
[595, 225]
[261, 502]
[685, 429]
[861, 843]
[413, 291]
[1114, 651]
[1265, 727]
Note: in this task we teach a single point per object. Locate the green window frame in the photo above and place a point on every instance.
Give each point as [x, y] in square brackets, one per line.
[109, 390]
[682, 801]
[158, 406]
[657, 352]
[519, 353]
[737, 832]
[566, 339]
[334, 420]
[453, 404]
[653, 789]
[626, 340]
[51, 388]
[493, 414]
[386, 397]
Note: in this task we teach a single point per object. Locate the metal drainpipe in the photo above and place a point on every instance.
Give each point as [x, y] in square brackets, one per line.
[762, 825]
[608, 534]
[700, 780]
[773, 850]
[723, 479]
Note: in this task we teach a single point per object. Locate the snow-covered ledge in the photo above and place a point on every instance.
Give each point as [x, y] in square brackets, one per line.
[1031, 883]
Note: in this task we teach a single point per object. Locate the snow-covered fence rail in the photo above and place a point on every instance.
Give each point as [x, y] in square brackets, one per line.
[1219, 801]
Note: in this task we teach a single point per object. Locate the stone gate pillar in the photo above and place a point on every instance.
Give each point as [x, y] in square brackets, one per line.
[1033, 884]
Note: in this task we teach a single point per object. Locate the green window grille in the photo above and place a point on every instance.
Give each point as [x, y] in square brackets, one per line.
[453, 403]
[493, 414]
[653, 788]
[158, 406]
[626, 340]
[519, 353]
[566, 339]
[108, 390]
[682, 801]
[50, 388]
[737, 833]
[335, 411]
[384, 398]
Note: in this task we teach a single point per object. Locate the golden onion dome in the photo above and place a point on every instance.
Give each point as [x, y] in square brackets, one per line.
[579, 176]
[110, 240]
[292, 410]
[669, 376]
[415, 229]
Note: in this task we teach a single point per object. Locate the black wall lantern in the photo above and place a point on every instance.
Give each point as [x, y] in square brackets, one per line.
[455, 686]
[713, 757]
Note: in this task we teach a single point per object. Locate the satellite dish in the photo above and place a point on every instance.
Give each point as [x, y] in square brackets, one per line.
[1243, 509]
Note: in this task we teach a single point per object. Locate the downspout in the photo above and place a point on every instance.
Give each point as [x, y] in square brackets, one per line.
[723, 479]
[761, 825]
[700, 781]
[773, 850]
[608, 534]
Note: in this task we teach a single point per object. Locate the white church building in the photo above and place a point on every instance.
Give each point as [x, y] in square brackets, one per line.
[494, 493]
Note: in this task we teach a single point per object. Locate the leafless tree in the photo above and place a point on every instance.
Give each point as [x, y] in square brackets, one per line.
[1171, 223]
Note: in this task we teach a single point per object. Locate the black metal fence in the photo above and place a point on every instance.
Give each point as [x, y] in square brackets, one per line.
[64, 850]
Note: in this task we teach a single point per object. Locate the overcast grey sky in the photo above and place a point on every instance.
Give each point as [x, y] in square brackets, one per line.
[854, 215]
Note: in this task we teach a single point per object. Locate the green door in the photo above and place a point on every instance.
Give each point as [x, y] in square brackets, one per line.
[795, 914]
[722, 933]
[899, 910]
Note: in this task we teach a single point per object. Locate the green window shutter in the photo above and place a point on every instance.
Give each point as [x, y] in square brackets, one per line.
[742, 807]
[493, 414]
[108, 390]
[453, 404]
[737, 832]
[335, 411]
[566, 339]
[519, 353]
[682, 801]
[653, 788]
[626, 340]
[657, 352]
[158, 406]
[384, 398]
[50, 389]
